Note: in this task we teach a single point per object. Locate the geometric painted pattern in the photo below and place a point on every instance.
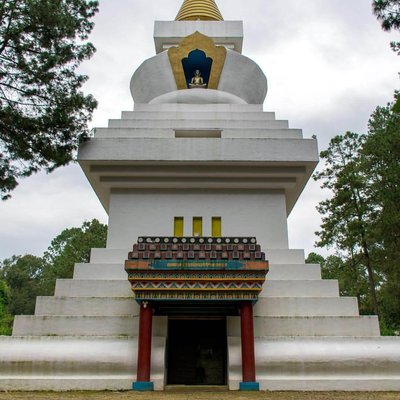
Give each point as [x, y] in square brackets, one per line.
[233, 269]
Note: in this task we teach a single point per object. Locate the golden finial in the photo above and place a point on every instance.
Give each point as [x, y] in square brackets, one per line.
[205, 10]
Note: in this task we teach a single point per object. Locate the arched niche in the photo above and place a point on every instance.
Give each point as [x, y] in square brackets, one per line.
[198, 44]
[197, 60]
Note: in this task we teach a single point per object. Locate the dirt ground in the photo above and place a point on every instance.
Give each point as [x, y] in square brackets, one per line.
[200, 396]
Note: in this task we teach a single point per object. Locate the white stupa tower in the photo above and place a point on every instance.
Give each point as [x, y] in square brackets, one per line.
[198, 182]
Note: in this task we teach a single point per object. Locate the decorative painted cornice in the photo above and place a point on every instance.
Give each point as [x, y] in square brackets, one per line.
[196, 268]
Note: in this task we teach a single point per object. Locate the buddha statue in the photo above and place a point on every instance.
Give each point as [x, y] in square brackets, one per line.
[197, 81]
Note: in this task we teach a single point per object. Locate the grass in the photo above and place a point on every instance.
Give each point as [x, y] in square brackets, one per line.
[200, 396]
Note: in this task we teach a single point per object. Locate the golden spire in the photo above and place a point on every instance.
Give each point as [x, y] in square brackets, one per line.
[205, 10]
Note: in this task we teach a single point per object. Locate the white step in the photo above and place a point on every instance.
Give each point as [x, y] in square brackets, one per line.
[194, 108]
[306, 306]
[294, 272]
[272, 306]
[121, 288]
[365, 326]
[105, 255]
[33, 325]
[300, 288]
[276, 271]
[275, 256]
[199, 124]
[100, 271]
[86, 306]
[285, 256]
[262, 133]
[190, 115]
[134, 133]
[93, 288]
[225, 133]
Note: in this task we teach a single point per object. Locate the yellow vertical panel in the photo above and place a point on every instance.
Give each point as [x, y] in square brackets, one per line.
[197, 226]
[216, 227]
[178, 226]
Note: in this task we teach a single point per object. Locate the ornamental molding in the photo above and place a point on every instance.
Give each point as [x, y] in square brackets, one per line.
[197, 41]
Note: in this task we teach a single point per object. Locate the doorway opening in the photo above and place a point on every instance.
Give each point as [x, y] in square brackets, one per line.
[196, 351]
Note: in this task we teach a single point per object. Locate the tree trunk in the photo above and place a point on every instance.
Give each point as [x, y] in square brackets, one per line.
[371, 279]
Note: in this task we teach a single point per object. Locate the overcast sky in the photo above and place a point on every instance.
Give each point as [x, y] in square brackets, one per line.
[328, 65]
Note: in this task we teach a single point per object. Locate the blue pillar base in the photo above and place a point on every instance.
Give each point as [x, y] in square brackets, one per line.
[249, 386]
[143, 386]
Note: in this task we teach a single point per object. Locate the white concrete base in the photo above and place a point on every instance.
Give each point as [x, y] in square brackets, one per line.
[321, 363]
[61, 384]
[74, 363]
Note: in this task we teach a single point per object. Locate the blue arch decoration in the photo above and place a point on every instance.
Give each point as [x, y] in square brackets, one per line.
[197, 59]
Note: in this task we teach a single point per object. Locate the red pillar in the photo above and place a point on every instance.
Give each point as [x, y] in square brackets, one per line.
[144, 348]
[248, 358]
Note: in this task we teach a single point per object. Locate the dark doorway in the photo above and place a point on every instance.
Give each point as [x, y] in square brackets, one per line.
[197, 352]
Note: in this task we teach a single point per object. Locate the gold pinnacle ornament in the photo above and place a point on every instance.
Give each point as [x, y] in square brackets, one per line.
[205, 10]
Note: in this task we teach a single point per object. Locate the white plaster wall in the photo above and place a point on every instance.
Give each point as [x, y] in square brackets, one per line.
[224, 33]
[153, 78]
[242, 77]
[253, 213]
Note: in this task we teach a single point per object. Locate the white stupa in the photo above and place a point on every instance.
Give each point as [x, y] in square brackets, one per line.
[198, 158]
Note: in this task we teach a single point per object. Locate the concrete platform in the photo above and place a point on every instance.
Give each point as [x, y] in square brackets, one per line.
[63, 363]
[321, 363]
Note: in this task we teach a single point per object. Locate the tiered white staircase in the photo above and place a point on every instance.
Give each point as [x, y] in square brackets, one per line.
[307, 337]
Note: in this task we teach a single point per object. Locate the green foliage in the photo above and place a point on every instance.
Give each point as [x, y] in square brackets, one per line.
[350, 274]
[361, 220]
[315, 258]
[69, 247]
[381, 161]
[346, 216]
[43, 113]
[5, 317]
[23, 278]
[388, 13]
[345, 213]
[22, 274]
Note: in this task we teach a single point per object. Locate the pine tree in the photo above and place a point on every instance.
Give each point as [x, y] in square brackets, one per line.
[43, 113]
